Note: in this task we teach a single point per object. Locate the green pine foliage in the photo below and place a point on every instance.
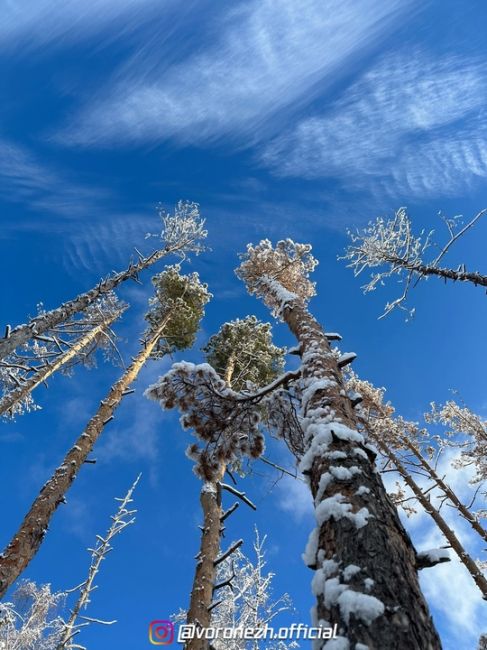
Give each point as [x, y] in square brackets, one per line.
[183, 297]
[245, 345]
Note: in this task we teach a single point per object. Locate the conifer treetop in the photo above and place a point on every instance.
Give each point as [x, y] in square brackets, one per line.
[228, 426]
[184, 296]
[278, 274]
[245, 346]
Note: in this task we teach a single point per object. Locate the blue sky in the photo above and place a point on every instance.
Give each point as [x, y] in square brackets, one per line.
[280, 120]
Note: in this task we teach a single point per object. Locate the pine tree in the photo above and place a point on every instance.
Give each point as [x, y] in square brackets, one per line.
[242, 358]
[176, 310]
[182, 233]
[365, 564]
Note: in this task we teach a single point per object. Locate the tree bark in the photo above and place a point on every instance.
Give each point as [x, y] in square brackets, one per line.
[23, 333]
[380, 546]
[447, 274]
[199, 613]
[15, 396]
[27, 540]
[453, 540]
[204, 578]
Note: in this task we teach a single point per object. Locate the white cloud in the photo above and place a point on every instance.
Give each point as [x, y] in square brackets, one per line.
[29, 180]
[295, 497]
[270, 55]
[450, 590]
[28, 23]
[410, 126]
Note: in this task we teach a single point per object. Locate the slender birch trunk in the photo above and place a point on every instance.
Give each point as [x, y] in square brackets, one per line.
[27, 540]
[23, 333]
[357, 524]
[449, 534]
[8, 401]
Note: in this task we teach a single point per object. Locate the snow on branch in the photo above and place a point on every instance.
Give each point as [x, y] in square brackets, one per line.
[124, 516]
[278, 274]
[183, 231]
[392, 247]
[227, 424]
[432, 557]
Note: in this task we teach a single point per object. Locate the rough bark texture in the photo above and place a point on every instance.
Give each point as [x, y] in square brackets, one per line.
[28, 538]
[381, 548]
[447, 274]
[204, 578]
[453, 540]
[23, 333]
[15, 396]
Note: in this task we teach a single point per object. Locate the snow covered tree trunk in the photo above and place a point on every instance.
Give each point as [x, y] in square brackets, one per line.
[449, 534]
[23, 333]
[366, 579]
[28, 538]
[14, 397]
[199, 612]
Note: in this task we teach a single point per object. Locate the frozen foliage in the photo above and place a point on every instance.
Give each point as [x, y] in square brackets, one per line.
[392, 247]
[465, 429]
[124, 516]
[75, 341]
[179, 300]
[278, 274]
[31, 621]
[282, 417]
[247, 600]
[35, 619]
[183, 231]
[226, 422]
[243, 354]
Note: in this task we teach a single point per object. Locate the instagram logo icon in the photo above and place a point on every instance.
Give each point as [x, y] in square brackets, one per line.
[161, 632]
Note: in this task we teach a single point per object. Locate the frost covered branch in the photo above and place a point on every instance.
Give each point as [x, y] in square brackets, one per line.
[125, 516]
[227, 425]
[392, 246]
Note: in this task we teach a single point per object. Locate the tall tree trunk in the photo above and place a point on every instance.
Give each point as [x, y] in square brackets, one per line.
[8, 401]
[23, 333]
[451, 537]
[27, 540]
[199, 612]
[377, 601]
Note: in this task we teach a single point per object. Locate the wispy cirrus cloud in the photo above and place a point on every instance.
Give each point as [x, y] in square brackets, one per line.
[267, 56]
[26, 179]
[28, 24]
[410, 126]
